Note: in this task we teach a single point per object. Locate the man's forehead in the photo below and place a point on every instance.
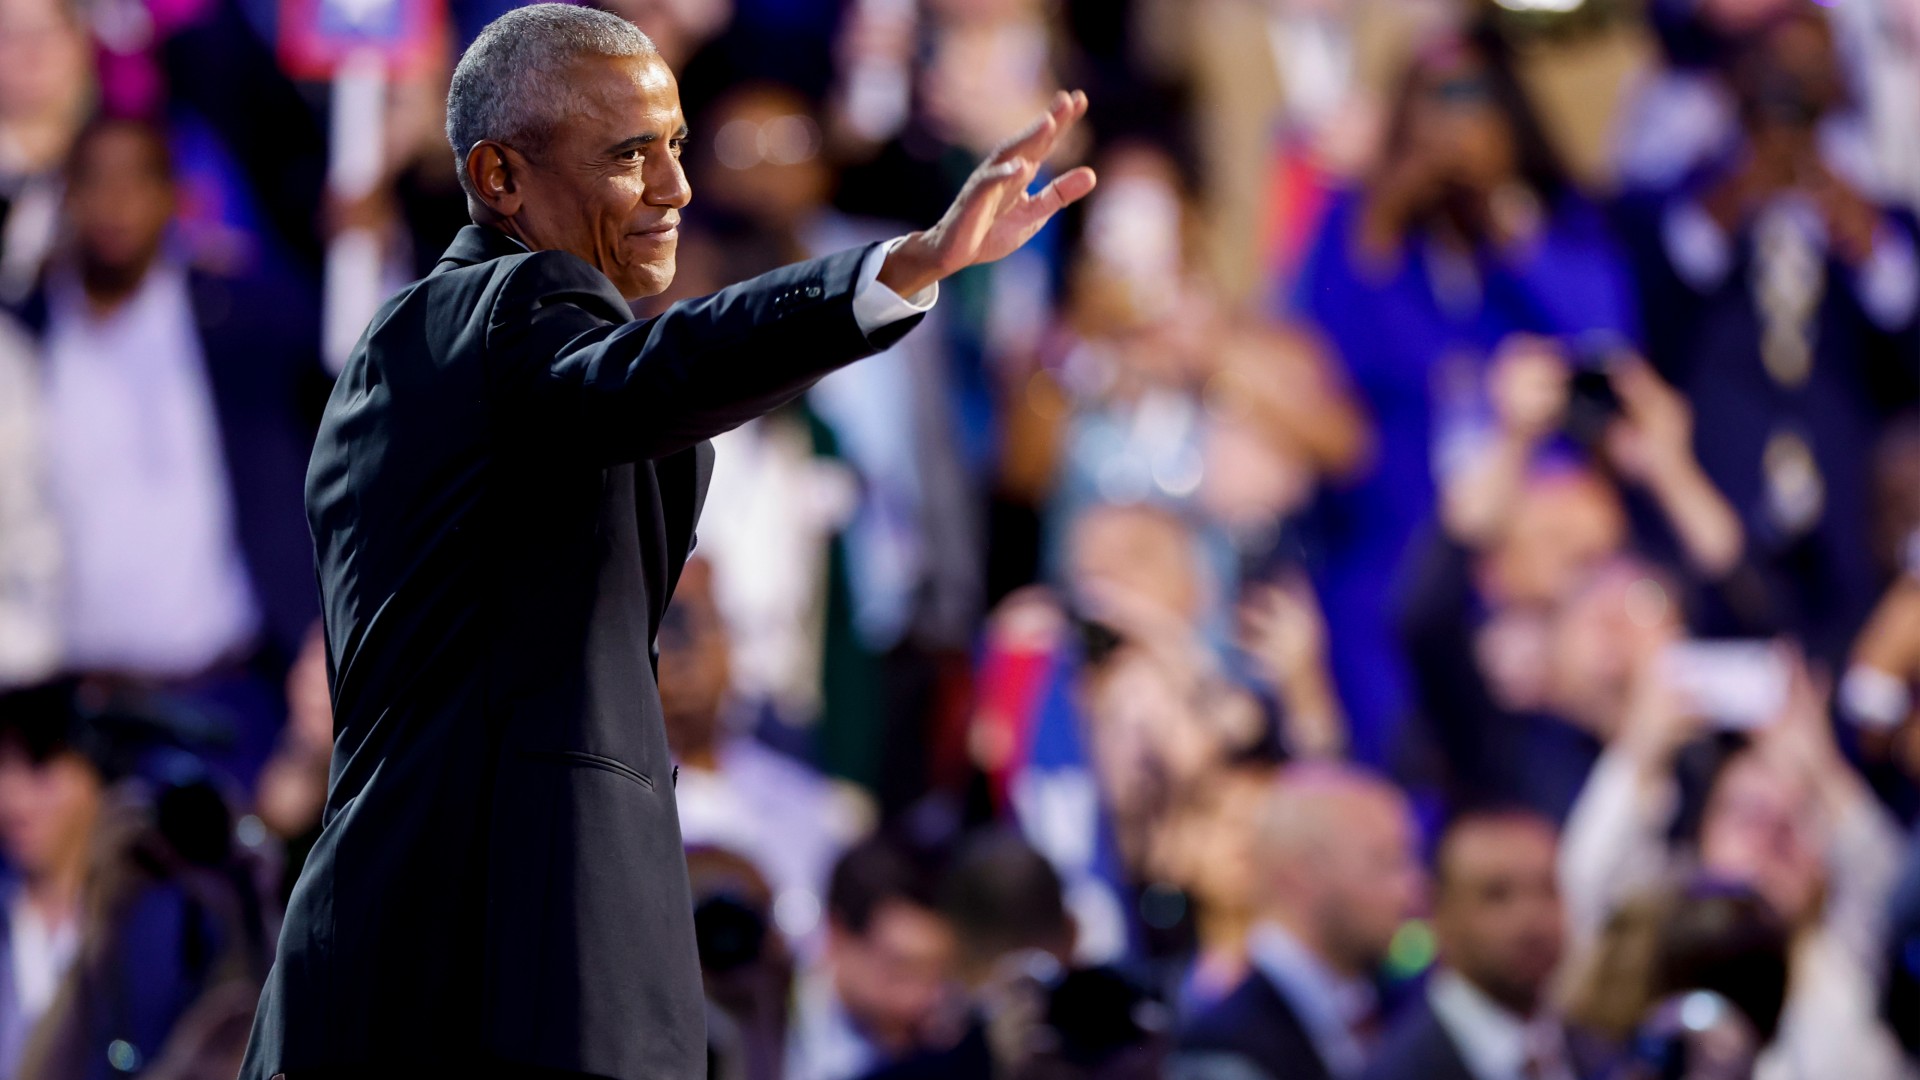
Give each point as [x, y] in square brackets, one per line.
[634, 91]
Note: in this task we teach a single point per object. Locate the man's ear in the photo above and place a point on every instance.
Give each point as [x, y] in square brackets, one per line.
[495, 170]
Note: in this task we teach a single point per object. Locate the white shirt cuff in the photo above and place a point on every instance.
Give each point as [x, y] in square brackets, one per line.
[875, 305]
[1889, 281]
[1697, 247]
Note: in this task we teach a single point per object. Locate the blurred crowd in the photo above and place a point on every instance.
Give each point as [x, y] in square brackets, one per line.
[1417, 577]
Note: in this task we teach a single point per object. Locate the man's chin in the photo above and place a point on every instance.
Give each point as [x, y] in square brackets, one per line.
[649, 280]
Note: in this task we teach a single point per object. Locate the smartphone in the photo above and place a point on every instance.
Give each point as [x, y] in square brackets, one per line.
[1592, 402]
[1737, 685]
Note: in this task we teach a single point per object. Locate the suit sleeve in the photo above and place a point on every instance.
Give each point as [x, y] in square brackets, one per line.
[570, 365]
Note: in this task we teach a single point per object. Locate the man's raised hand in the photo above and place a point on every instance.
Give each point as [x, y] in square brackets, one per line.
[994, 213]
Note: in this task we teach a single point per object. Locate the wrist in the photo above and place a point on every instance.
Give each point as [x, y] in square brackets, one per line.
[1676, 478]
[910, 267]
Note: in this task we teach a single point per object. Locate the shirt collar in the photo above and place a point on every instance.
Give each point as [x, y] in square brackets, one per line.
[1493, 1040]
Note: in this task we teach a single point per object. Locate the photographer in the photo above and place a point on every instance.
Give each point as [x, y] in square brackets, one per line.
[1030, 1016]
[1783, 301]
[1518, 668]
[1784, 814]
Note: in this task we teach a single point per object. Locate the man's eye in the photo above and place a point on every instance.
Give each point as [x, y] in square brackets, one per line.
[630, 155]
[677, 146]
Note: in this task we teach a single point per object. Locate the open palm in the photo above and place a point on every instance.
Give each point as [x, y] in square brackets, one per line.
[994, 214]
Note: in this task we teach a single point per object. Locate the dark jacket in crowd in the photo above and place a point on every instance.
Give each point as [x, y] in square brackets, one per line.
[1417, 1047]
[1253, 1027]
[503, 493]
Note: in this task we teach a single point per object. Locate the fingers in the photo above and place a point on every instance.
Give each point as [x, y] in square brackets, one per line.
[1065, 190]
[1037, 140]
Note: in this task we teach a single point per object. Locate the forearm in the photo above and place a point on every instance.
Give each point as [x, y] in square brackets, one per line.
[1315, 724]
[1708, 528]
[1478, 500]
[1613, 844]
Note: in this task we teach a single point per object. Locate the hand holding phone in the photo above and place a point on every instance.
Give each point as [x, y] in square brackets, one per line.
[1736, 685]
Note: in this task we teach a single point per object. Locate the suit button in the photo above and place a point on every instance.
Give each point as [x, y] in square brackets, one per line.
[813, 292]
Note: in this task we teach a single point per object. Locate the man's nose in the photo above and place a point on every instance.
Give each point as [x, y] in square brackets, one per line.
[669, 187]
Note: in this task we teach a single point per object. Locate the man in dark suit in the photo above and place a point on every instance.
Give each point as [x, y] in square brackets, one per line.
[1497, 914]
[502, 496]
[1338, 871]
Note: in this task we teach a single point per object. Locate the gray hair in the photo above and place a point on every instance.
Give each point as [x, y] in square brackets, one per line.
[511, 84]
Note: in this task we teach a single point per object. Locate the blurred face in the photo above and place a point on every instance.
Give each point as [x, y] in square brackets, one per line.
[47, 810]
[1760, 830]
[894, 978]
[45, 68]
[1456, 117]
[766, 160]
[1563, 527]
[1148, 741]
[1739, 16]
[120, 198]
[1370, 879]
[693, 663]
[1601, 635]
[1216, 845]
[1497, 911]
[1141, 552]
[608, 186]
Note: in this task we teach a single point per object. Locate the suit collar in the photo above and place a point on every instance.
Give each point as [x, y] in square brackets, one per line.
[478, 244]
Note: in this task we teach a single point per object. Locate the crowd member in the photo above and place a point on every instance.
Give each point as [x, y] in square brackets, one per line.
[1467, 232]
[1092, 553]
[1486, 1013]
[52, 797]
[1784, 303]
[1686, 113]
[1339, 873]
[1104, 709]
[1525, 524]
[1174, 398]
[290, 797]
[46, 89]
[1718, 983]
[902, 609]
[734, 792]
[745, 967]
[878, 993]
[133, 935]
[1289, 102]
[177, 407]
[1209, 853]
[1008, 915]
[1785, 815]
[29, 541]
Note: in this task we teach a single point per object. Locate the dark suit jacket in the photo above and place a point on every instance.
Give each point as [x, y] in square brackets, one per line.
[260, 338]
[1254, 1026]
[503, 493]
[1417, 1047]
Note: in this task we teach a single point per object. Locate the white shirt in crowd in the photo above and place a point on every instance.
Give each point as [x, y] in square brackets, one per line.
[155, 582]
[1494, 1042]
[1615, 847]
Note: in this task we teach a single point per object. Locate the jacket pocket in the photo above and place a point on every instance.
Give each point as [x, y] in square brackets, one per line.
[581, 758]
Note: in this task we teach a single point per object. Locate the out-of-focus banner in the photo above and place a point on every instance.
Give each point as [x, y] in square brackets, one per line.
[317, 36]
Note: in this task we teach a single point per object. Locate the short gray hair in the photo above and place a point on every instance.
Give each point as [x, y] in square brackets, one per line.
[511, 84]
